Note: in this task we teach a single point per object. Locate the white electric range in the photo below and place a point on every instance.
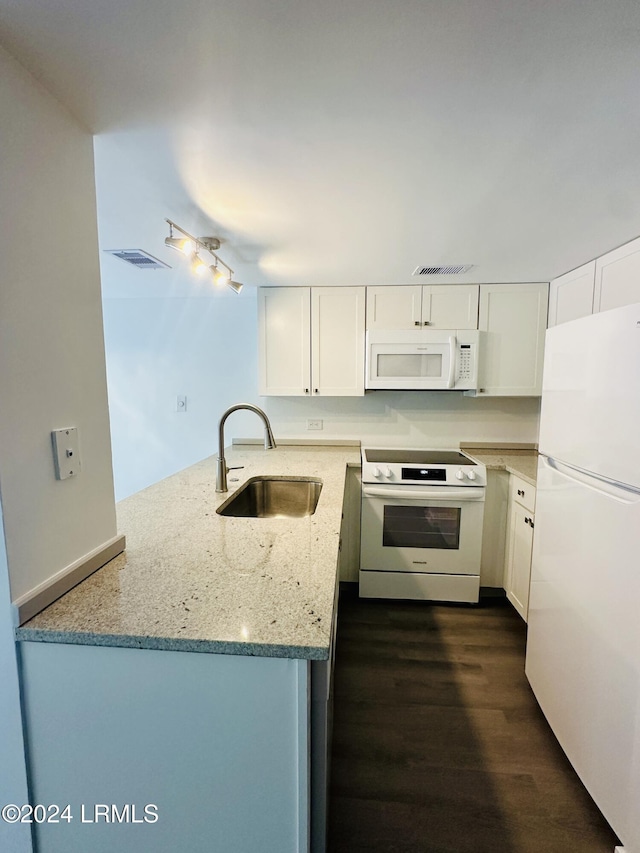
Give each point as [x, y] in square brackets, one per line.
[422, 515]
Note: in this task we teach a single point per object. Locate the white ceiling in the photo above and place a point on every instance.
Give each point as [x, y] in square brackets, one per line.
[348, 141]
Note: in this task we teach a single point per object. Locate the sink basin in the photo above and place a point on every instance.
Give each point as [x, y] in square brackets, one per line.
[274, 497]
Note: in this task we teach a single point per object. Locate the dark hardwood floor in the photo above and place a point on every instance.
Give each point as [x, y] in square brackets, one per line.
[438, 743]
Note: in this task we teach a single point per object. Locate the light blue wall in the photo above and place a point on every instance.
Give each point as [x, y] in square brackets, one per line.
[204, 348]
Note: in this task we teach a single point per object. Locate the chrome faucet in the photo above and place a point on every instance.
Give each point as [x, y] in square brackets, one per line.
[221, 465]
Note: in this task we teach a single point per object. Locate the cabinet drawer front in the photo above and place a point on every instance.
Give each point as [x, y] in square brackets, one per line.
[522, 492]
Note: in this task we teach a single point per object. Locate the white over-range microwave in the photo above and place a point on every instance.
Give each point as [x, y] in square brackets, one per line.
[422, 360]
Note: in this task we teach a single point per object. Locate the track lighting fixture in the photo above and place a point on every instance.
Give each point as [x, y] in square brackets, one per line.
[192, 246]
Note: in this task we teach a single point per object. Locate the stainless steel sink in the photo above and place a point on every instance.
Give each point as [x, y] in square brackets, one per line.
[274, 497]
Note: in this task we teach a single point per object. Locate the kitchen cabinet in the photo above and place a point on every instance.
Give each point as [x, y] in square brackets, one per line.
[520, 526]
[617, 278]
[350, 529]
[513, 320]
[311, 341]
[494, 529]
[452, 306]
[571, 295]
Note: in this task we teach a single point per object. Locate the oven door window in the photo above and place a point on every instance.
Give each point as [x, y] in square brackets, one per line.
[421, 527]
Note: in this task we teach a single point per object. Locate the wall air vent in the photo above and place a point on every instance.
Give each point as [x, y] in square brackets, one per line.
[451, 269]
[139, 259]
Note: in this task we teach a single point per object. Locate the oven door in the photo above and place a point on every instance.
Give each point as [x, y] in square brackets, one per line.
[427, 530]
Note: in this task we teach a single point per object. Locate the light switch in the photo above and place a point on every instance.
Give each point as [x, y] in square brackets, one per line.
[66, 452]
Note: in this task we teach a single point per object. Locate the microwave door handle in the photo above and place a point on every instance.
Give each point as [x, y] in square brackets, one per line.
[452, 361]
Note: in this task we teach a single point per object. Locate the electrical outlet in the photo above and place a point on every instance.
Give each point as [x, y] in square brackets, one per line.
[314, 424]
[66, 452]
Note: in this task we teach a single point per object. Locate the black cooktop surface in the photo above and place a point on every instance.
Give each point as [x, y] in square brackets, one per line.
[418, 457]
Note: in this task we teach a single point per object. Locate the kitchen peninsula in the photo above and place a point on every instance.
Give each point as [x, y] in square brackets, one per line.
[121, 706]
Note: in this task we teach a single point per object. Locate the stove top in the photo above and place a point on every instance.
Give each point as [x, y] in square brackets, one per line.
[417, 457]
[421, 467]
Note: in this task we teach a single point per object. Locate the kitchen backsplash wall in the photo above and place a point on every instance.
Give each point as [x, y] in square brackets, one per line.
[420, 418]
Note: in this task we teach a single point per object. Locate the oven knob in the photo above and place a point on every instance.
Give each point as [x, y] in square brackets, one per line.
[376, 473]
[388, 473]
[460, 474]
[471, 475]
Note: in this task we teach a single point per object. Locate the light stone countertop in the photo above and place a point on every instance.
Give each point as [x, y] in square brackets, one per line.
[522, 463]
[192, 580]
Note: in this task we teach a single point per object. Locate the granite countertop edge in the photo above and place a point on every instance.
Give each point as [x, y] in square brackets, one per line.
[173, 644]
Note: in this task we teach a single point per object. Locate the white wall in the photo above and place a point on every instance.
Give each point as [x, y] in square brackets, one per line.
[51, 345]
[417, 418]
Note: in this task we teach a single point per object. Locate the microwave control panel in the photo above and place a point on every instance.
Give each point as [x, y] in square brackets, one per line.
[464, 362]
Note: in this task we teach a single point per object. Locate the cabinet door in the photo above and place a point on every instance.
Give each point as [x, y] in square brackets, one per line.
[284, 343]
[513, 318]
[337, 341]
[571, 295]
[520, 542]
[492, 562]
[618, 278]
[450, 306]
[394, 307]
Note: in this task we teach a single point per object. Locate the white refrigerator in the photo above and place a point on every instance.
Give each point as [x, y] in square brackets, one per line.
[583, 644]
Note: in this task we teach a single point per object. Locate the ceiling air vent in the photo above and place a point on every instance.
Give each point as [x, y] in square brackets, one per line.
[139, 259]
[451, 269]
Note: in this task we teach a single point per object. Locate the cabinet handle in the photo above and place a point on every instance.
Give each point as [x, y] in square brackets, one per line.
[531, 524]
[416, 322]
[527, 520]
[427, 323]
[521, 492]
[315, 390]
[306, 390]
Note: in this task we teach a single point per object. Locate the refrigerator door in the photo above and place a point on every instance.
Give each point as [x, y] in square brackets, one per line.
[583, 644]
[591, 394]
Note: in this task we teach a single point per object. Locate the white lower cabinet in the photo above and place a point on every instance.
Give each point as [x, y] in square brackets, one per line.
[349, 563]
[222, 745]
[494, 529]
[520, 526]
[311, 341]
[513, 320]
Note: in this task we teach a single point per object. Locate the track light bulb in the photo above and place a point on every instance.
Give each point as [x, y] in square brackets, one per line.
[234, 285]
[198, 265]
[180, 244]
[219, 277]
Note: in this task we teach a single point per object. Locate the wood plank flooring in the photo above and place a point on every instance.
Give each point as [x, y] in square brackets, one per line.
[438, 743]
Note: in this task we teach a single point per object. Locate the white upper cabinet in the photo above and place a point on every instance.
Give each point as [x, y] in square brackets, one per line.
[513, 318]
[284, 340]
[337, 341]
[618, 278]
[393, 308]
[450, 306]
[311, 341]
[571, 295]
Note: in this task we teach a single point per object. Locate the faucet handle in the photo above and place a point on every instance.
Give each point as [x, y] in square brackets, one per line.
[235, 467]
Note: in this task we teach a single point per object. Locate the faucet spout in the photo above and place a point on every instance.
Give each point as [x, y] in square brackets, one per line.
[221, 464]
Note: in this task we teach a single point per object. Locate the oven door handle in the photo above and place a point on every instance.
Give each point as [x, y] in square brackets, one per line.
[473, 493]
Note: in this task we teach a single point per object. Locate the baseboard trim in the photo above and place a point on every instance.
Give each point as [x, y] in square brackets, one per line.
[41, 596]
